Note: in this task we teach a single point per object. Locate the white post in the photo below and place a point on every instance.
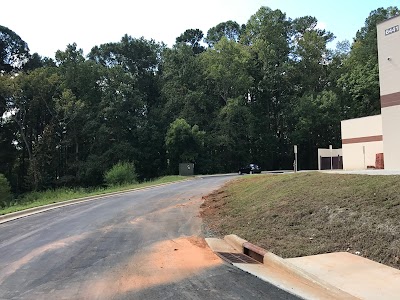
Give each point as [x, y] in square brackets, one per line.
[295, 158]
[330, 148]
[364, 156]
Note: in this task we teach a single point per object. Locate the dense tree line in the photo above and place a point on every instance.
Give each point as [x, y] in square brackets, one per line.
[240, 93]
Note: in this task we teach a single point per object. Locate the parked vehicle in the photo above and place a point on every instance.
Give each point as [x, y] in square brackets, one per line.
[249, 169]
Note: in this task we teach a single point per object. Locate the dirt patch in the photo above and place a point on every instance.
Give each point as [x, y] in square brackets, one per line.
[212, 211]
[198, 242]
[190, 202]
[165, 262]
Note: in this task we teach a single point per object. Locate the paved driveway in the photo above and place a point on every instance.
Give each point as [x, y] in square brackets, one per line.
[140, 245]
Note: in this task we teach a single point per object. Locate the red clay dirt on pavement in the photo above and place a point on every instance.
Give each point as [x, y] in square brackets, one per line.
[164, 262]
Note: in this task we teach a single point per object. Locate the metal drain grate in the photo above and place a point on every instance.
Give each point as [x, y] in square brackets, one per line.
[237, 258]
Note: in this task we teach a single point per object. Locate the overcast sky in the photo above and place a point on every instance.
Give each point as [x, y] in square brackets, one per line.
[49, 25]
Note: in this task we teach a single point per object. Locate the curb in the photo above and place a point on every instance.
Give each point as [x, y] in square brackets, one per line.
[270, 259]
[36, 210]
[236, 242]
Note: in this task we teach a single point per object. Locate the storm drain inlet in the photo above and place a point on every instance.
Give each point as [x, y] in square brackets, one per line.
[237, 258]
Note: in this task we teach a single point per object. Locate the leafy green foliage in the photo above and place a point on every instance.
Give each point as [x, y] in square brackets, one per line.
[14, 52]
[231, 30]
[317, 123]
[226, 67]
[5, 191]
[183, 143]
[193, 38]
[121, 173]
[234, 143]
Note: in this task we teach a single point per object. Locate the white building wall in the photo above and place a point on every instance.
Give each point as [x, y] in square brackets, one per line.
[362, 127]
[391, 133]
[388, 33]
[353, 155]
[389, 56]
[361, 141]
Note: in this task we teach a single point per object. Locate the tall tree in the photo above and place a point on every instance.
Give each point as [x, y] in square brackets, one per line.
[267, 34]
[233, 142]
[134, 67]
[226, 66]
[310, 125]
[76, 110]
[310, 55]
[29, 106]
[316, 118]
[193, 38]
[229, 29]
[184, 89]
[14, 52]
[183, 143]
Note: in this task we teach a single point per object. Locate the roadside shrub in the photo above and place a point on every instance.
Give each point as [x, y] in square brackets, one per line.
[5, 191]
[121, 173]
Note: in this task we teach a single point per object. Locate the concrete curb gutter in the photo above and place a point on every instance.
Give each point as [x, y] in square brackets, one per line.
[235, 241]
[35, 210]
[284, 274]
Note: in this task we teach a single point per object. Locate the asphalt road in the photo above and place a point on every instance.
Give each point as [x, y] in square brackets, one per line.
[139, 245]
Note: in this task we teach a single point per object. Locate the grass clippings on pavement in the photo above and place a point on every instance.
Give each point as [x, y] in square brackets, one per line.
[304, 214]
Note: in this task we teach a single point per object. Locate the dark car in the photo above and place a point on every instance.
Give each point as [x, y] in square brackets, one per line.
[250, 169]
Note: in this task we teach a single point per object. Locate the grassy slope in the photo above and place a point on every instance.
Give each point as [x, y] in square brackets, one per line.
[311, 213]
[35, 199]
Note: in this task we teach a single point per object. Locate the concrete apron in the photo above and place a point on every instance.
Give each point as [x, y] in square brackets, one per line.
[356, 275]
[326, 276]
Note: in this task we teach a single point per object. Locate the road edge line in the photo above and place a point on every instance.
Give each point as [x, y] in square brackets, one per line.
[36, 210]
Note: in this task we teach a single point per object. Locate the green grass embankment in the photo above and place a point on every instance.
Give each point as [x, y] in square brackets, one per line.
[36, 199]
[312, 213]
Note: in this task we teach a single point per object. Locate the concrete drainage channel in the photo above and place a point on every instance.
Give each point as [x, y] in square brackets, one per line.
[273, 269]
[252, 254]
[254, 251]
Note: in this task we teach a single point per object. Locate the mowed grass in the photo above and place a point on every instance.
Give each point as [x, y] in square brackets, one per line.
[312, 213]
[35, 199]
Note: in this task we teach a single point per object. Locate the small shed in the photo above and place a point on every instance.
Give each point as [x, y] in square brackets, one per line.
[330, 159]
[186, 169]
